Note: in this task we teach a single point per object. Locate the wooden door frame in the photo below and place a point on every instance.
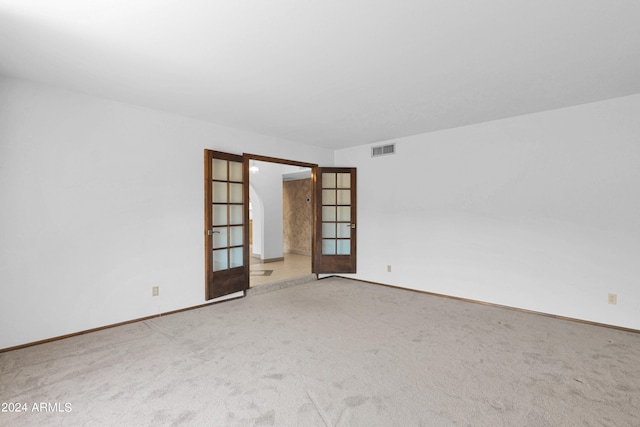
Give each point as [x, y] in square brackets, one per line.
[208, 259]
[314, 168]
[335, 264]
[315, 199]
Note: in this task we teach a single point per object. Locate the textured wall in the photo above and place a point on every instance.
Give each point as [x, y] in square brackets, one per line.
[297, 216]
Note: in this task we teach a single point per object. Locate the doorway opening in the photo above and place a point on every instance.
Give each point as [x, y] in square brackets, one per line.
[226, 221]
[280, 220]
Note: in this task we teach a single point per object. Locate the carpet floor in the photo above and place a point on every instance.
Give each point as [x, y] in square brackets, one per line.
[334, 352]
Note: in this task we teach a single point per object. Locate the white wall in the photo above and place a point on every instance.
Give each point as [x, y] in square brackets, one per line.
[100, 201]
[257, 213]
[540, 212]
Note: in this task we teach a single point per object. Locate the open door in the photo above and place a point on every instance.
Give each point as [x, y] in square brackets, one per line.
[335, 221]
[226, 224]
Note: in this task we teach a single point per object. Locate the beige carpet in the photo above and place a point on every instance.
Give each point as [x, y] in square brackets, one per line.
[332, 353]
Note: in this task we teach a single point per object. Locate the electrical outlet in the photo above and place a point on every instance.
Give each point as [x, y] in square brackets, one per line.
[155, 291]
[613, 299]
[389, 268]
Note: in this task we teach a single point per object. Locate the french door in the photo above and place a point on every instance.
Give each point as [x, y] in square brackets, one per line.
[226, 224]
[226, 194]
[335, 219]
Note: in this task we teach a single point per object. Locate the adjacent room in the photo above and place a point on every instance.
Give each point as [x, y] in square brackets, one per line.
[280, 193]
[409, 213]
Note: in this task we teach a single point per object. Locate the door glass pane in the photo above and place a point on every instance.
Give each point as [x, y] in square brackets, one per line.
[344, 180]
[235, 193]
[328, 247]
[328, 180]
[328, 213]
[328, 197]
[226, 233]
[329, 229]
[219, 237]
[219, 192]
[235, 213]
[235, 236]
[344, 197]
[235, 171]
[235, 257]
[344, 247]
[344, 213]
[219, 215]
[220, 261]
[219, 169]
[344, 230]
[337, 212]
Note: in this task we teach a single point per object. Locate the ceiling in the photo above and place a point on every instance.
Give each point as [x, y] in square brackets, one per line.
[332, 73]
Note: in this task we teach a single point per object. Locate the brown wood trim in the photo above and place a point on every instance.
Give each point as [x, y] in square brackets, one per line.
[354, 220]
[314, 171]
[316, 262]
[246, 230]
[114, 325]
[225, 156]
[489, 304]
[208, 262]
[277, 160]
[220, 283]
[314, 219]
[334, 264]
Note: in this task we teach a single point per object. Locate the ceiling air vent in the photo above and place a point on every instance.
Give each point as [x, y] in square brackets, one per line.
[383, 150]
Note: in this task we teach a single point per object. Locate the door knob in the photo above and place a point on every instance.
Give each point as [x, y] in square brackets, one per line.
[212, 232]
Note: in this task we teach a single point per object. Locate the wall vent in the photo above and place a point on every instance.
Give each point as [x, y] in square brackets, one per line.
[383, 150]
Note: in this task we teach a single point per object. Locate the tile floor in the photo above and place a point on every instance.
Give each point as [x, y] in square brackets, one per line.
[293, 266]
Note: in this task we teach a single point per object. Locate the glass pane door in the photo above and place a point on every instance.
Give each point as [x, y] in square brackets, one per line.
[227, 214]
[336, 213]
[336, 220]
[226, 224]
